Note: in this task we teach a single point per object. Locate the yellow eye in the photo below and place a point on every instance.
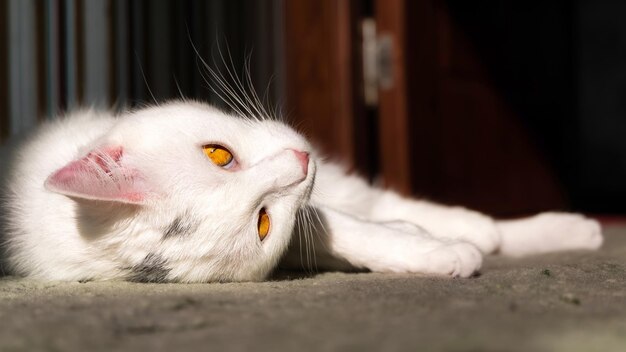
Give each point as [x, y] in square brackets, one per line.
[219, 155]
[263, 224]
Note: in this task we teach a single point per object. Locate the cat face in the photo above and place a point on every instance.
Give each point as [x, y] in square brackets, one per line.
[184, 192]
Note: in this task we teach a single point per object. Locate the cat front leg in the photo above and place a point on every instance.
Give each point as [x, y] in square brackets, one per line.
[441, 221]
[352, 195]
[392, 247]
[546, 232]
[542, 233]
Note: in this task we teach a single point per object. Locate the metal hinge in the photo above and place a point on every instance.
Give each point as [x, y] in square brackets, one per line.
[377, 62]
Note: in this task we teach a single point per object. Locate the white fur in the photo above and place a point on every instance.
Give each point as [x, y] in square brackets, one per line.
[54, 234]
[446, 238]
[55, 237]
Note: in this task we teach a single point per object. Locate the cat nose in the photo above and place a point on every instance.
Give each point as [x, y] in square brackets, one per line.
[303, 157]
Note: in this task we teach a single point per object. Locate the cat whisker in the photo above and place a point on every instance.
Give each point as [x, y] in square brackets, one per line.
[145, 80]
[180, 91]
[240, 95]
[306, 239]
[266, 99]
[238, 82]
[311, 232]
[299, 220]
[236, 90]
[319, 221]
[309, 238]
[256, 100]
[228, 96]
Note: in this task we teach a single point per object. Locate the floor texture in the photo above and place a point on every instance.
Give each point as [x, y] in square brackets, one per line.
[561, 302]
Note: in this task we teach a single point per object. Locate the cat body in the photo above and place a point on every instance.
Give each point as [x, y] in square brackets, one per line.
[143, 197]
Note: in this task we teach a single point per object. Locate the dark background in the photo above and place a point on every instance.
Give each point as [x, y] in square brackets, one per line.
[510, 107]
[559, 66]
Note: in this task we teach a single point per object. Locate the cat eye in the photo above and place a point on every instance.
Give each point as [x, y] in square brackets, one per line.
[263, 224]
[219, 155]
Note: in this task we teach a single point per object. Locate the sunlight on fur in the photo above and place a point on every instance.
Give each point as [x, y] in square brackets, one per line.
[185, 192]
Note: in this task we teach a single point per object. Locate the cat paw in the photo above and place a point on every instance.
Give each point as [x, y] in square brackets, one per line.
[470, 226]
[455, 259]
[574, 230]
[550, 232]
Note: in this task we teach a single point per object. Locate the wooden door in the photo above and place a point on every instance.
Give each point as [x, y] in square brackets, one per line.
[442, 127]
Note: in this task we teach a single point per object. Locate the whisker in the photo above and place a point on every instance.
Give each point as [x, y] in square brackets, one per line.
[321, 223]
[180, 91]
[308, 244]
[145, 80]
[311, 231]
[313, 251]
[238, 93]
[233, 99]
[248, 77]
[228, 96]
[238, 82]
[225, 97]
[299, 218]
[242, 97]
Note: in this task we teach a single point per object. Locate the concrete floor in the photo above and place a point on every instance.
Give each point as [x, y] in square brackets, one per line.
[561, 302]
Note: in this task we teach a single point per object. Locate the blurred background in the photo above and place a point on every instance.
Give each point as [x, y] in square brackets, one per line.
[509, 107]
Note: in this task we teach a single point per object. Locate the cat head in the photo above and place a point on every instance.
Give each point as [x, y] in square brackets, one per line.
[185, 192]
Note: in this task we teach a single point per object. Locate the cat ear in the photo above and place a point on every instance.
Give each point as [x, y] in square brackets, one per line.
[101, 175]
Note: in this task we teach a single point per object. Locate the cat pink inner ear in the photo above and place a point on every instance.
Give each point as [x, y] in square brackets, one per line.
[101, 175]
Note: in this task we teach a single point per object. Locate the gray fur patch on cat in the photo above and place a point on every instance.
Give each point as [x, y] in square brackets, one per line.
[181, 226]
[151, 269]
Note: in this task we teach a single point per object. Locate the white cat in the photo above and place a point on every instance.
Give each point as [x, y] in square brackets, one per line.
[185, 192]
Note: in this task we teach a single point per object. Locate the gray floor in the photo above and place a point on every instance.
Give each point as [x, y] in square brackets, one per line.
[564, 302]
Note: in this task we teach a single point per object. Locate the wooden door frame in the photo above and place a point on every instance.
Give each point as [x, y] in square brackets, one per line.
[322, 64]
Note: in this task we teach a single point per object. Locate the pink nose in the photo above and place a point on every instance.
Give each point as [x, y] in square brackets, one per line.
[303, 157]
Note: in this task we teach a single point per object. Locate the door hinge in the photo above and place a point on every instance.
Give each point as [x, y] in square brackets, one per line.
[377, 61]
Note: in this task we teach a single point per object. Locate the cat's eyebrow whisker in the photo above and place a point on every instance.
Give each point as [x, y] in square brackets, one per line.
[253, 92]
[274, 109]
[233, 95]
[226, 98]
[235, 78]
[239, 84]
[180, 91]
[231, 89]
[229, 97]
[278, 108]
[241, 95]
[228, 91]
[145, 80]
